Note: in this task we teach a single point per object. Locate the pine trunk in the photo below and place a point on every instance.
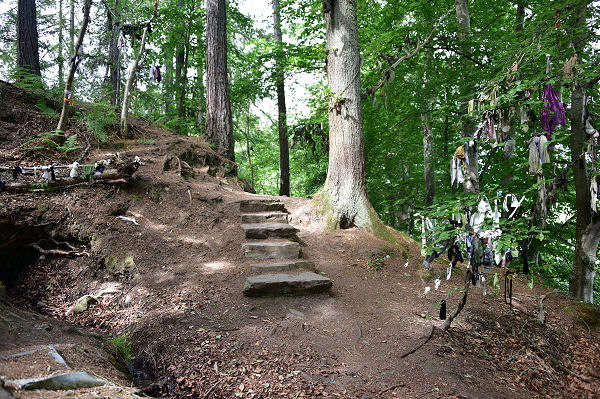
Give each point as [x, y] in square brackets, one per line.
[471, 184]
[113, 56]
[72, 28]
[168, 80]
[284, 156]
[183, 83]
[345, 188]
[219, 126]
[28, 58]
[64, 115]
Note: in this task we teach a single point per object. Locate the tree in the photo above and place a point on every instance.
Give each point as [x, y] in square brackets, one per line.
[284, 155]
[345, 186]
[471, 183]
[77, 51]
[587, 228]
[219, 125]
[27, 37]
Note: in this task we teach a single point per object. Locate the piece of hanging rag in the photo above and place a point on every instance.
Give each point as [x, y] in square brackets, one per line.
[74, 170]
[524, 249]
[594, 195]
[157, 75]
[17, 170]
[543, 150]
[553, 112]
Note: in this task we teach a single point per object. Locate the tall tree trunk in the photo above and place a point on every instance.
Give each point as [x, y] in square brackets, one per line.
[114, 54]
[64, 115]
[28, 57]
[72, 28]
[180, 68]
[128, 87]
[219, 125]
[60, 60]
[183, 83]
[248, 146]
[168, 80]
[428, 158]
[471, 183]
[345, 193]
[284, 152]
[520, 17]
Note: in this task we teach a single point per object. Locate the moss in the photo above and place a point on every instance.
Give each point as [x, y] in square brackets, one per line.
[586, 314]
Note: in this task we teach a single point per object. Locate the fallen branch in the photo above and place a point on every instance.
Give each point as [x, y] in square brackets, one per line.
[419, 347]
[392, 388]
[58, 251]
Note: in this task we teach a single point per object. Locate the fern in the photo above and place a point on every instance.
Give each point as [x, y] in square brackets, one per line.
[98, 118]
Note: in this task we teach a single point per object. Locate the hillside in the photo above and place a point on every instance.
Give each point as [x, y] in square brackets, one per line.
[170, 285]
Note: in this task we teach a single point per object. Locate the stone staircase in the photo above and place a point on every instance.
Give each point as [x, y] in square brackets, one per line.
[270, 239]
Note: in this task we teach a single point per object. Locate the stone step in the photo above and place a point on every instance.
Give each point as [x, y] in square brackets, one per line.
[266, 205]
[265, 217]
[269, 230]
[282, 266]
[272, 249]
[286, 284]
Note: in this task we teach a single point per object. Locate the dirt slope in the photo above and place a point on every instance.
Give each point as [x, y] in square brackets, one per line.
[175, 283]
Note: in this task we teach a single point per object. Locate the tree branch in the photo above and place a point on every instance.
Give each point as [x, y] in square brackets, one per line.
[420, 45]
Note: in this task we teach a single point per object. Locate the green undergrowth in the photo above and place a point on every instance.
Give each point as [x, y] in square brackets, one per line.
[121, 351]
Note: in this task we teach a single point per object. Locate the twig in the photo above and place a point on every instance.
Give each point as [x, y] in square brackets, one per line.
[391, 388]
[418, 347]
[211, 388]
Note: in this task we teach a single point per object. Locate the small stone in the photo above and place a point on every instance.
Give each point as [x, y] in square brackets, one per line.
[82, 304]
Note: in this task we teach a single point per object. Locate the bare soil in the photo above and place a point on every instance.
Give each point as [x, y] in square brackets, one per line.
[174, 283]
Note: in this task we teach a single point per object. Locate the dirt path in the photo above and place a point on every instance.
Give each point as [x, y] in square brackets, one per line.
[178, 276]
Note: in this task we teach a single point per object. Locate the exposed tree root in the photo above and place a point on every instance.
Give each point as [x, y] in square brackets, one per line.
[419, 347]
[58, 251]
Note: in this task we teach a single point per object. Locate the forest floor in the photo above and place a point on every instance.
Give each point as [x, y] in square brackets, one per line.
[173, 285]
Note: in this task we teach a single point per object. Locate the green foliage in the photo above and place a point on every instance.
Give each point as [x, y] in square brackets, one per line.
[98, 118]
[47, 110]
[51, 141]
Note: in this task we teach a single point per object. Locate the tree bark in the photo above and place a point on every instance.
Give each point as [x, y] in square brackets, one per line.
[129, 85]
[64, 115]
[114, 55]
[28, 58]
[248, 147]
[428, 158]
[60, 60]
[168, 81]
[219, 125]
[471, 183]
[183, 81]
[587, 227]
[72, 28]
[284, 152]
[344, 195]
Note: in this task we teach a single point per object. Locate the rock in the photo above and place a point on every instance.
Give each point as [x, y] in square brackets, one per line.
[286, 284]
[80, 379]
[253, 206]
[284, 266]
[269, 230]
[265, 217]
[271, 249]
[82, 304]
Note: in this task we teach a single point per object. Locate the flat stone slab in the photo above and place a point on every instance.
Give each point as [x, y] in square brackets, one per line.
[282, 249]
[305, 283]
[269, 230]
[265, 217]
[80, 379]
[254, 206]
[281, 266]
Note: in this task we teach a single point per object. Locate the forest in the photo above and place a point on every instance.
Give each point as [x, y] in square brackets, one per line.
[459, 124]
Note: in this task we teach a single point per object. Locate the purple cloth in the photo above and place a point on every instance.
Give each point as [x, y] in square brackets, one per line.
[553, 112]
